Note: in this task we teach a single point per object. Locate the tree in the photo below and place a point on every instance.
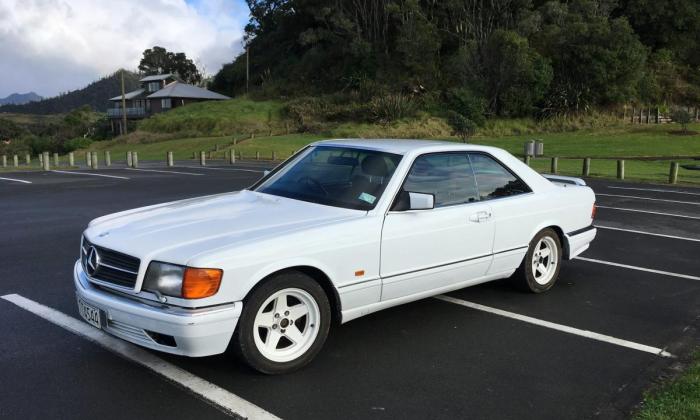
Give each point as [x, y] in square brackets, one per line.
[596, 60]
[158, 60]
[515, 76]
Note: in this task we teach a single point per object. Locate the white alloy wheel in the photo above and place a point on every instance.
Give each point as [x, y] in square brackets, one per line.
[544, 260]
[286, 325]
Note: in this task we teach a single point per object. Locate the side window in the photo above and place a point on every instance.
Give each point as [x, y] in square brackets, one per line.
[448, 176]
[493, 179]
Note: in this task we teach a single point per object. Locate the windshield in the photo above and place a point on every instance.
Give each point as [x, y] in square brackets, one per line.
[335, 176]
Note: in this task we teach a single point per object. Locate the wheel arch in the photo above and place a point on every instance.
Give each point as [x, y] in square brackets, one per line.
[320, 277]
[563, 239]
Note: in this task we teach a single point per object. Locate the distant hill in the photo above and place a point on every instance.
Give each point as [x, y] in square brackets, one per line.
[96, 95]
[20, 98]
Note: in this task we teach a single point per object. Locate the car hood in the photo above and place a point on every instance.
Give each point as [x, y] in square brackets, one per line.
[178, 231]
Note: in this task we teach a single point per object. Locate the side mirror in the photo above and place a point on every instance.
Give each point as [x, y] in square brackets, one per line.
[421, 201]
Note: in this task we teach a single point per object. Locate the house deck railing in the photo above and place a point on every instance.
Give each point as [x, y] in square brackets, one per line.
[130, 112]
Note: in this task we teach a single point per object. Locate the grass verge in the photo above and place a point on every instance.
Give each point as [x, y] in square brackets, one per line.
[677, 400]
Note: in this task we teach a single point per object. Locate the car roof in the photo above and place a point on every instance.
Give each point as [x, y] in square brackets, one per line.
[401, 146]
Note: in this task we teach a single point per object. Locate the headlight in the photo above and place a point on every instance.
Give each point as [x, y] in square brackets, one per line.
[164, 278]
[185, 282]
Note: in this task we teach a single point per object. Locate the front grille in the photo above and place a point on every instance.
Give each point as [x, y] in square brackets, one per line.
[114, 267]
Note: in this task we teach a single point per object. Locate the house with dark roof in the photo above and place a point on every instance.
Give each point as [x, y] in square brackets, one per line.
[158, 93]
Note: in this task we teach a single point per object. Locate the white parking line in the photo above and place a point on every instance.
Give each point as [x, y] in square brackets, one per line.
[648, 198]
[219, 397]
[655, 190]
[559, 327]
[165, 172]
[16, 180]
[634, 267]
[221, 169]
[649, 212]
[648, 233]
[90, 174]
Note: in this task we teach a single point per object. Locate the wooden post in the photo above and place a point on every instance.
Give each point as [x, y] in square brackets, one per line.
[257, 155]
[252, 135]
[108, 158]
[169, 158]
[88, 159]
[15, 160]
[658, 115]
[526, 159]
[555, 165]
[41, 159]
[274, 155]
[641, 113]
[28, 159]
[46, 162]
[94, 160]
[648, 115]
[202, 158]
[134, 159]
[55, 159]
[4, 161]
[234, 140]
[232, 156]
[586, 167]
[632, 115]
[620, 169]
[71, 159]
[129, 159]
[124, 129]
[673, 174]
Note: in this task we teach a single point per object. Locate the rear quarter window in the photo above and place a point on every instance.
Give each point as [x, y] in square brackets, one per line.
[493, 179]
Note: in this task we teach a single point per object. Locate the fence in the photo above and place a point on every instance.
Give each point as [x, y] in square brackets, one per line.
[661, 170]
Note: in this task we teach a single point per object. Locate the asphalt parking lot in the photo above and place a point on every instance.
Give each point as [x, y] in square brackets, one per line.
[618, 319]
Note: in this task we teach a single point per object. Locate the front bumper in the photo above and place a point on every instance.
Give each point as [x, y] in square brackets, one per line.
[196, 332]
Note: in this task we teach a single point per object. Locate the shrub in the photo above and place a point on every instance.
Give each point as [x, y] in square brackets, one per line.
[76, 143]
[464, 102]
[682, 117]
[462, 126]
[391, 107]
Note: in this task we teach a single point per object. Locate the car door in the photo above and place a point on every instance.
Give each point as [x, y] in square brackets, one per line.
[515, 210]
[424, 250]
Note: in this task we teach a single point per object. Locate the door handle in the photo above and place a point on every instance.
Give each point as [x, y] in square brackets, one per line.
[480, 216]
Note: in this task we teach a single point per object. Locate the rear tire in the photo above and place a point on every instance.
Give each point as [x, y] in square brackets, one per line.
[284, 324]
[540, 268]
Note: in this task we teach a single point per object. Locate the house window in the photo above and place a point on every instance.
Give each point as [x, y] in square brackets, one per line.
[153, 86]
[165, 103]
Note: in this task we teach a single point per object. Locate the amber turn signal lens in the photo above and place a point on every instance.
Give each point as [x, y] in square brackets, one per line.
[594, 211]
[201, 282]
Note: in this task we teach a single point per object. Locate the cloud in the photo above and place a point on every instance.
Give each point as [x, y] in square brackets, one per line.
[52, 46]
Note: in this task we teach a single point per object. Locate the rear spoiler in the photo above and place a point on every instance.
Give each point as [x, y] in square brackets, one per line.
[564, 181]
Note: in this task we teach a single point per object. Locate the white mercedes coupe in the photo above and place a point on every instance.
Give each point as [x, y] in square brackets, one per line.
[341, 229]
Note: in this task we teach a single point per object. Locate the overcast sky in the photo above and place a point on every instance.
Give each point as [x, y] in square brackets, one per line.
[54, 46]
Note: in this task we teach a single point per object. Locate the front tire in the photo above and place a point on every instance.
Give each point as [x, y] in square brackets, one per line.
[540, 269]
[284, 323]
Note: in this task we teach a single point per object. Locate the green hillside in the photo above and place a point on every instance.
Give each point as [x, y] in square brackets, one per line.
[95, 95]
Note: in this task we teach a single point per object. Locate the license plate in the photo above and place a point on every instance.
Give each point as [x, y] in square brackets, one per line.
[89, 313]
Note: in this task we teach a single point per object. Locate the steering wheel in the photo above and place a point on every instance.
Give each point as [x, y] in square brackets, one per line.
[313, 182]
